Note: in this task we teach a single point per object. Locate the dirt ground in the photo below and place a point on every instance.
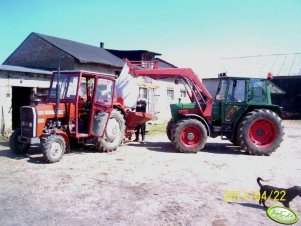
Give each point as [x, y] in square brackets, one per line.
[146, 184]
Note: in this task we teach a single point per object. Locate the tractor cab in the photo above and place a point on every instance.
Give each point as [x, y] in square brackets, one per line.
[236, 96]
[86, 97]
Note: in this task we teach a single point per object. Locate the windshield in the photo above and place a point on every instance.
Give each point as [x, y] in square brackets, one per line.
[68, 84]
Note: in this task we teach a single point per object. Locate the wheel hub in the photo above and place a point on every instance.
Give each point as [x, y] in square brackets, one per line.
[190, 136]
[55, 149]
[113, 130]
[263, 132]
[260, 132]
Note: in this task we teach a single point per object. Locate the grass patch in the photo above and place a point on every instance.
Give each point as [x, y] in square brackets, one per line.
[3, 138]
[156, 129]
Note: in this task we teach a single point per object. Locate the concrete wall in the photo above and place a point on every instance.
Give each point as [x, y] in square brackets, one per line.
[9, 79]
[96, 68]
[157, 90]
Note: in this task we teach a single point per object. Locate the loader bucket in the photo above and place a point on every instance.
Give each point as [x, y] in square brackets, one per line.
[134, 119]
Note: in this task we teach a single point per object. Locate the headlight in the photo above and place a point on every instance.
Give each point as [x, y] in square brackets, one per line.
[30, 124]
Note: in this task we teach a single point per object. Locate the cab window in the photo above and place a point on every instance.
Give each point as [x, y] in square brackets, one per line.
[236, 91]
[221, 90]
[104, 92]
[258, 90]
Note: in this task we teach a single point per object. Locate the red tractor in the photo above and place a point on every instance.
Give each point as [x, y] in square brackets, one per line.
[81, 108]
[241, 111]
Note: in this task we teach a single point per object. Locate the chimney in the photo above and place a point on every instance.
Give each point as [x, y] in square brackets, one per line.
[101, 45]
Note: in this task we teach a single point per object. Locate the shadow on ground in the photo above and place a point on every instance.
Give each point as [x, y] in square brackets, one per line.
[223, 148]
[155, 146]
[34, 154]
[214, 148]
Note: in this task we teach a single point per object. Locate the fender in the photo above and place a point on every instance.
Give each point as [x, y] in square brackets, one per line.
[201, 119]
[64, 135]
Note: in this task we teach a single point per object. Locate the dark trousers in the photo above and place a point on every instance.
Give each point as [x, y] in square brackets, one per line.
[140, 130]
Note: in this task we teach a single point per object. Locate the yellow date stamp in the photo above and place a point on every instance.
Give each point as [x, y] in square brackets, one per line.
[236, 195]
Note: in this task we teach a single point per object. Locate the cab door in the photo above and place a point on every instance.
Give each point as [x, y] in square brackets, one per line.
[234, 100]
[102, 105]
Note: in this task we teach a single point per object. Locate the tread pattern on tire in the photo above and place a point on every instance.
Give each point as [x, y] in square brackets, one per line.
[178, 128]
[243, 132]
[13, 143]
[101, 144]
[46, 145]
[169, 126]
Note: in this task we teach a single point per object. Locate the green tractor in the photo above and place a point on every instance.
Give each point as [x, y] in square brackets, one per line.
[241, 111]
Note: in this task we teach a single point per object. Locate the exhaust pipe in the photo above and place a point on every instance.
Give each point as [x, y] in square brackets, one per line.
[58, 94]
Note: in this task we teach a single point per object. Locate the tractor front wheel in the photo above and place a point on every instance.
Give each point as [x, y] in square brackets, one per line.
[16, 146]
[114, 133]
[54, 147]
[189, 136]
[260, 132]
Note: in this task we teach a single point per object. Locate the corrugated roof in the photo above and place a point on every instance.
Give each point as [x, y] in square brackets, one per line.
[277, 64]
[83, 52]
[23, 69]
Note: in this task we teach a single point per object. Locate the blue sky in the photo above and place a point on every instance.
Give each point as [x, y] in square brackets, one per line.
[191, 33]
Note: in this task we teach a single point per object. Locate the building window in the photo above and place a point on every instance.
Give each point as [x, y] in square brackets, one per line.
[147, 60]
[170, 94]
[143, 92]
[183, 94]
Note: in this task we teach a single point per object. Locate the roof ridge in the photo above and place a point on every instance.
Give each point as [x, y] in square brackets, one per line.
[41, 35]
[88, 54]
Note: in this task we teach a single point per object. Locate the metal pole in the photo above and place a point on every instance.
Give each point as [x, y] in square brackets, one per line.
[58, 93]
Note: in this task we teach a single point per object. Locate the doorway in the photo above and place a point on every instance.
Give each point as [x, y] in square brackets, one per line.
[20, 97]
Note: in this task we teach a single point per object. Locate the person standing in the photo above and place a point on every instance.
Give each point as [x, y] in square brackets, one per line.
[140, 107]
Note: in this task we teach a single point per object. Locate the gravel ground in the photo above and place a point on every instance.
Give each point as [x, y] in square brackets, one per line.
[147, 184]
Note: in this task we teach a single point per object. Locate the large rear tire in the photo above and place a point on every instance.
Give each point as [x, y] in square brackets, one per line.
[17, 147]
[169, 127]
[114, 133]
[260, 132]
[54, 147]
[190, 136]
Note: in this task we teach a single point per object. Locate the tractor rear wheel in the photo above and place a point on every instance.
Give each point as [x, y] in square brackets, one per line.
[54, 147]
[114, 133]
[189, 136]
[169, 126]
[260, 132]
[16, 146]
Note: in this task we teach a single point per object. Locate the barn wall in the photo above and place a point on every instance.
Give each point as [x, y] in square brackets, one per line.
[16, 79]
[291, 101]
[35, 52]
[96, 68]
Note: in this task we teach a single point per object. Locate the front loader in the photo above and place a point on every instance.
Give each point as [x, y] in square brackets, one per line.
[241, 111]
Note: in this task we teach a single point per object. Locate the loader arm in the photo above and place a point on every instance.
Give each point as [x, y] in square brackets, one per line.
[183, 73]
